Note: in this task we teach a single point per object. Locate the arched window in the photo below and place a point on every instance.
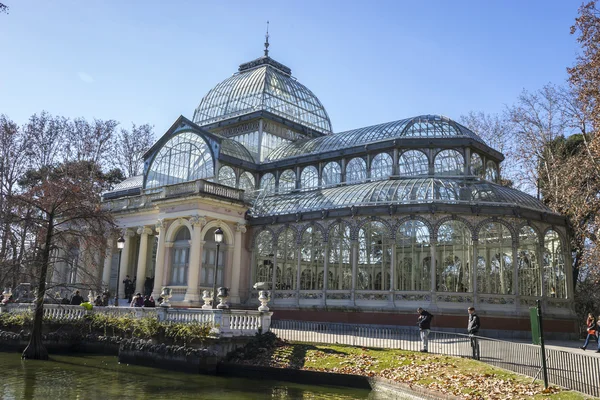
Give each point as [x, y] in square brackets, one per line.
[495, 260]
[287, 181]
[264, 257]
[227, 176]
[267, 183]
[528, 262]
[413, 163]
[374, 256]
[491, 172]
[309, 179]
[185, 157]
[381, 166]
[332, 173]
[413, 257]
[247, 181]
[476, 165]
[312, 258]
[454, 253]
[555, 280]
[340, 256]
[356, 170]
[449, 162]
[209, 259]
[287, 260]
[181, 257]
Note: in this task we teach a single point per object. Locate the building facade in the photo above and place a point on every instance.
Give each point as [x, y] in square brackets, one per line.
[364, 225]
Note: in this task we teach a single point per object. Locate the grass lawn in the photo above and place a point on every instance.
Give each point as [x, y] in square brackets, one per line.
[449, 375]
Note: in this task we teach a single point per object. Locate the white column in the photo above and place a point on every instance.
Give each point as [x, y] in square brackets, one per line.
[515, 263]
[354, 247]
[474, 271]
[144, 232]
[325, 273]
[237, 263]
[161, 228]
[107, 263]
[195, 263]
[125, 255]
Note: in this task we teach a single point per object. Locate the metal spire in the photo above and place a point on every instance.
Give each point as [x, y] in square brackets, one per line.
[267, 41]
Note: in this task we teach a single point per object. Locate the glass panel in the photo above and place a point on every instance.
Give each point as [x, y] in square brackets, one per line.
[413, 163]
[528, 264]
[180, 257]
[413, 257]
[491, 172]
[287, 260]
[264, 256]
[453, 257]
[309, 179]
[287, 181]
[374, 255]
[381, 166]
[332, 174]
[247, 181]
[449, 162]
[312, 259]
[227, 176]
[555, 280]
[494, 261]
[267, 183]
[340, 257]
[356, 170]
[476, 165]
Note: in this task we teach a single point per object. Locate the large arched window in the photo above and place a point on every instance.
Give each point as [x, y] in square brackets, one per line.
[264, 257]
[267, 183]
[309, 179]
[340, 256]
[332, 174]
[209, 259]
[185, 157]
[449, 162]
[247, 182]
[227, 176]
[356, 170]
[491, 172]
[555, 280]
[287, 260]
[454, 253]
[180, 258]
[528, 262]
[476, 165]
[413, 163]
[374, 257]
[381, 166]
[287, 181]
[312, 259]
[413, 257]
[495, 260]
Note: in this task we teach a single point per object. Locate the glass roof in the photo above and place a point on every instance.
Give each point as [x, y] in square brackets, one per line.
[424, 126]
[129, 183]
[263, 84]
[401, 191]
[235, 149]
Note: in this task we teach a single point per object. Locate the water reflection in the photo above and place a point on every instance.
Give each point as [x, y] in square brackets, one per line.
[100, 377]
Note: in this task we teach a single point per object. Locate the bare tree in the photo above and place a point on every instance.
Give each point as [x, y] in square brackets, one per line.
[130, 147]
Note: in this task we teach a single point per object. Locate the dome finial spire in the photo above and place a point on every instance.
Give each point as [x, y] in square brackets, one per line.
[267, 41]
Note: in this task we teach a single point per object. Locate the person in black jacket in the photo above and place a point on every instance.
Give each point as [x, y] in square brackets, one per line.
[77, 299]
[473, 330]
[424, 322]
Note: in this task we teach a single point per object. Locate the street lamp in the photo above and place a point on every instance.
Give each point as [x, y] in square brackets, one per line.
[218, 240]
[120, 245]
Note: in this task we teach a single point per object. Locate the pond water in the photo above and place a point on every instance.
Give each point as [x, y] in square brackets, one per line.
[102, 377]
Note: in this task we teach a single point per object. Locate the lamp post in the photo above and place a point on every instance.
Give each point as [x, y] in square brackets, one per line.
[218, 240]
[120, 245]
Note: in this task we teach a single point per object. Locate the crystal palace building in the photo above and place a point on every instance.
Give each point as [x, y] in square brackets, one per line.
[360, 226]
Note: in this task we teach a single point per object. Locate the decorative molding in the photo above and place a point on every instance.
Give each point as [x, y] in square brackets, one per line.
[240, 227]
[160, 224]
[169, 244]
[128, 232]
[144, 230]
[197, 220]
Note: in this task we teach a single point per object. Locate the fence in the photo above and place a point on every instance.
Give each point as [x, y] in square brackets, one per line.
[570, 370]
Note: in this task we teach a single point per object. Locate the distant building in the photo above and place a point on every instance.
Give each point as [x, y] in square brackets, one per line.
[381, 219]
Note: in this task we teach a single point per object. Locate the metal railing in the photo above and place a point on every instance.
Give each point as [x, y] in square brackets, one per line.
[573, 371]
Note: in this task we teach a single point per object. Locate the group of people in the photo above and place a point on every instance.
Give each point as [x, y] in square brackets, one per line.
[142, 301]
[593, 331]
[424, 323]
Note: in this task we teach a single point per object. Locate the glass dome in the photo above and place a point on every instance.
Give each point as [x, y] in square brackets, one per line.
[424, 126]
[263, 84]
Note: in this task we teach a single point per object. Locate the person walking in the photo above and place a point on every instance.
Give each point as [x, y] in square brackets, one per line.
[424, 322]
[473, 330]
[77, 299]
[592, 332]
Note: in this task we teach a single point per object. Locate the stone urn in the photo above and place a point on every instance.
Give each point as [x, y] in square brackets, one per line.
[264, 297]
[207, 299]
[6, 294]
[166, 295]
[223, 296]
[91, 297]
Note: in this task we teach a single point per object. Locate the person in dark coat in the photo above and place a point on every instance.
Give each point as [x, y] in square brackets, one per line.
[129, 288]
[138, 300]
[424, 322]
[149, 302]
[473, 330]
[77, 299]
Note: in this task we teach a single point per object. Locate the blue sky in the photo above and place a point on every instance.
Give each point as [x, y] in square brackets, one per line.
[367, 61]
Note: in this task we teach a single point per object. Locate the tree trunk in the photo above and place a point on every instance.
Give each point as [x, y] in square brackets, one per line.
[35, 349]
